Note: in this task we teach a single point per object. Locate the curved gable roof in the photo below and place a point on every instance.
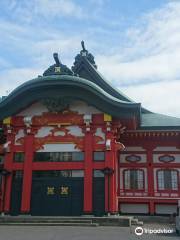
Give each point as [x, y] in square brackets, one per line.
[66, 86]
[84, 68]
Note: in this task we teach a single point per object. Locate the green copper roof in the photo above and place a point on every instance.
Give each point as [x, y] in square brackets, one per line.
[65, 86]
[87, 69]
[159, 121]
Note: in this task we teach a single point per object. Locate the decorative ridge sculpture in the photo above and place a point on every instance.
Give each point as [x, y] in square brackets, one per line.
[84, 53]
[83, 46]
[58, 68]
[56, 58]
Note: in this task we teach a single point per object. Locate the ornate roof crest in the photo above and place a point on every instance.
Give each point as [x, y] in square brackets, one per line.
[84, 53]
[58, 68]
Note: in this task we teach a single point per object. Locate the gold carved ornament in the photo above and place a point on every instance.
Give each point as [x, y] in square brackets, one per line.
[64, 190]
[50, 190]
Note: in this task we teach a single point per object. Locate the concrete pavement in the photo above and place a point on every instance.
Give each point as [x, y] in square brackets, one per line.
[82, 233]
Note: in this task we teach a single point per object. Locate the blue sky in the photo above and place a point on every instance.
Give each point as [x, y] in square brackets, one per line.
[136, 44]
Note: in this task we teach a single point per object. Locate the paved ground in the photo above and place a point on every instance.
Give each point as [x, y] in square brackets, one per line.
[81, 233]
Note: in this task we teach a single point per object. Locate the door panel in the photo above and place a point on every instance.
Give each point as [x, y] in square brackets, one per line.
[77, 198]
[16, 195]
[57, 196]
[99, 196]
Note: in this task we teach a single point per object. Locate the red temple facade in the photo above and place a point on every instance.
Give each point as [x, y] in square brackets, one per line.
[71, 144]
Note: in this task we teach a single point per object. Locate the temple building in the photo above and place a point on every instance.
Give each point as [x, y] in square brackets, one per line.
[72, 144]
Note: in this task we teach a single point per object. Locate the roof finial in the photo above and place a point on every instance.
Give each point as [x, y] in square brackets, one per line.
[56, 58]
[84, 54]
[83, 46]
[58, 68]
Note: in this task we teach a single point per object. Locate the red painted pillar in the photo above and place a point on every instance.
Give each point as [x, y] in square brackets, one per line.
[27, 174]
[150, 178]
[111, 201]
[8, 165]
[88, 173]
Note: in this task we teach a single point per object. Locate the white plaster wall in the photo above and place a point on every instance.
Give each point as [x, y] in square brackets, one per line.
[165, 208]
[134, 208]
[166, 149]
[59, 133]
[36, 109]
[155, 180]
[123, 157]
[121, 178]
[134, 148]
[83, 108]
[19, 135]
[44, 131]
[156, 158]
[58, 147]
[100, 133]
[75, 131]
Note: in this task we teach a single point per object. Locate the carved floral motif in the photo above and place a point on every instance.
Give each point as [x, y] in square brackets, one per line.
[67, 117]
[39, 142]
[61, 135]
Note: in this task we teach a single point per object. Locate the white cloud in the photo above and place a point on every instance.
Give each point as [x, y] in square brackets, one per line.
[99, 3]
[152, 52]
[153, 68]
[160, 97]
[14, 77]
[66, 47]
[29, 52]
[29, 11]
[54, 8]
[4, 64]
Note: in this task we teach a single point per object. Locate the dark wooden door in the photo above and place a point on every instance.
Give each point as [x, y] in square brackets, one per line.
[57, 196]
[16, 195]
[98, 196]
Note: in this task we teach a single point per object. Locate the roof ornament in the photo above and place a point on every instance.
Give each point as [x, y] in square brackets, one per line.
[82, 44]
[83, 54]
[58, 68]
[56, 59]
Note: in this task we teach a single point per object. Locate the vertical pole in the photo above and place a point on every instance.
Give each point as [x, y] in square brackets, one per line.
[8, 165]
[88, 174]
[3, 195]
[108, 193]
[27, 175]
[150, 178]
[111, 194]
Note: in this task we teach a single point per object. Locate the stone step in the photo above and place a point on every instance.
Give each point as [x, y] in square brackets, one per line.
[119, 221]
[48, 224]
[136, 222]
[154, 219]
[34, 220]
[140, 223]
